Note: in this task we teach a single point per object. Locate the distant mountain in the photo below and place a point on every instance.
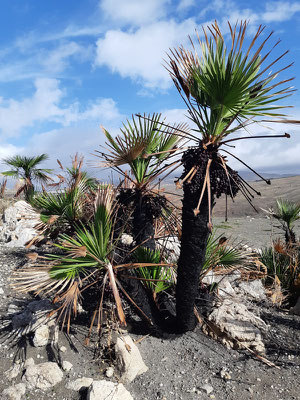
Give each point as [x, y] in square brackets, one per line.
[247, 175]
[250, 176]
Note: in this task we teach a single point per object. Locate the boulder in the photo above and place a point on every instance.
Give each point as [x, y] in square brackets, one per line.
[253, 290]
[129, 359]
[42, 376]
[15, 392]
[19, 221]
[237, 327]
[105, 390]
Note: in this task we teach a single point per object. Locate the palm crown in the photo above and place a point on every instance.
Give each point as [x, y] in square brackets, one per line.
[143, 145]
[227, 89]
[26, 168]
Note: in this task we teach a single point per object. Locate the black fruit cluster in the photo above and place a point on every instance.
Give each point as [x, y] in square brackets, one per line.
[219, 182]
[151, 204]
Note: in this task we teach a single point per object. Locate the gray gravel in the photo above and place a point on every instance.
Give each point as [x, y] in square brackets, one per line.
[180, 367]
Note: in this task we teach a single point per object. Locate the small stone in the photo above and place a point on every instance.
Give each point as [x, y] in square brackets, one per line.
[67, 366]
[1, 291]
[79, 384]
[63, 349]
[41, 336]
[208, 389]
[250, 390]
[109, 372]
[258, 379]
[15, 392]
[225, 375]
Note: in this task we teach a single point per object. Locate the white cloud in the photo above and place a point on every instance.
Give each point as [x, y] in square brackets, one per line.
[139, 55]
[57, 60]
[134, 12]
[278, 11]
[44, 106]
[9, 150]
[185, 4]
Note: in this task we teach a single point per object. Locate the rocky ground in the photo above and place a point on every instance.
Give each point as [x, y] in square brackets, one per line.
[37, 361]
[191, 366]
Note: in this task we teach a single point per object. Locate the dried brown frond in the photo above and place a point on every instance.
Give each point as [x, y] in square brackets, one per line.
[105, 197]
[69, 300]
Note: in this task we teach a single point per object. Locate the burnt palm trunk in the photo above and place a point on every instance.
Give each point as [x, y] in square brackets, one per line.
[195, 233]
[143, 222]
[290, 236]
[195, 229]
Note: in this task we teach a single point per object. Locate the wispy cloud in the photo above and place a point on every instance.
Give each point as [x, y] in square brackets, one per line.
[44, 106]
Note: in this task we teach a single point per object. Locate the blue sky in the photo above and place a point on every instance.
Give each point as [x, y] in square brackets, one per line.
[67, 67]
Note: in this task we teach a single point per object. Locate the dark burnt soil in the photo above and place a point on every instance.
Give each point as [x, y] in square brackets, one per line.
[179, 365]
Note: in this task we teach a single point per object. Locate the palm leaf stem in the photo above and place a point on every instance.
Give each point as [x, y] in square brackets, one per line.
[246, 165]
[286, 135]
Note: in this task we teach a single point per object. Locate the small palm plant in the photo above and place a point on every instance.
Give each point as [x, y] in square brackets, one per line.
[86, 262]
[25, 168]
[144, 145]
[70, 203]
[226, 88]
[287, 213]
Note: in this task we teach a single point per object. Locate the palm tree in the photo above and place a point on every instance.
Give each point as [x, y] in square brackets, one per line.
[86, 262]
[62, 210]
[143, 145]
[226, 89]
[287, 213]
[25, 168]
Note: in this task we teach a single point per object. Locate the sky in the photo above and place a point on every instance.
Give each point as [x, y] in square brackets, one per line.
[67, 67]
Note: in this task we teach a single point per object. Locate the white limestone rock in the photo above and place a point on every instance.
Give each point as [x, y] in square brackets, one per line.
[105, 390]
[236, 326]
[129, 359]
[67, 366]
[41, 336]
[15, 392]
[42, 376]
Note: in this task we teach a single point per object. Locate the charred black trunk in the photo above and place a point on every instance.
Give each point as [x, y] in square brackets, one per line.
[290, 236]
[193, 246]
[143, 222]
[195, 230]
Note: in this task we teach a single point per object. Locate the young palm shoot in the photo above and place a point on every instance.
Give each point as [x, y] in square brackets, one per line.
[287, 213]
[226, 88]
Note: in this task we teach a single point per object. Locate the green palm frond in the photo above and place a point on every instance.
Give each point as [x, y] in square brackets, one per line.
[143, 144]
[287, 211]
[156, 279]
[219, 253]
[84, 256]
[228, 83]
